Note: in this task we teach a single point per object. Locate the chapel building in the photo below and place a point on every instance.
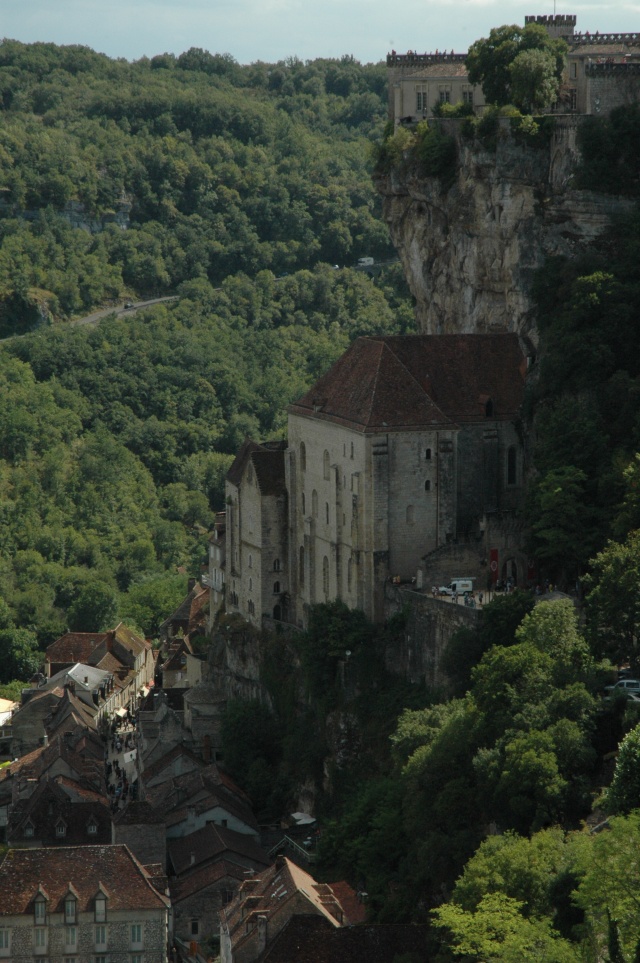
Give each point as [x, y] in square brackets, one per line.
[405, 445]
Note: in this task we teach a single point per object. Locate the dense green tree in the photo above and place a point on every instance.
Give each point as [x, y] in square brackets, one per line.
[499, 64]
[95, 609]
[498, 932]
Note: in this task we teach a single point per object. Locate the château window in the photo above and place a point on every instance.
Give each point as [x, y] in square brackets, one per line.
[427, 485]
[352, 449]
[421, 97]
[512, 466]
[349, 574]
[325, 576]
[250, 561]
[326, 465]
[427, 454]
[301, 565]
[314, 503]
[326, 512]
[276, 588]
[445, 95]
[251, 585]
[276, 565]
[303, 457]
[304, 505]
[488, 409]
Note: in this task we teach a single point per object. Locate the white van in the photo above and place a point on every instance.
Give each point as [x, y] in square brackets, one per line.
[365, 262]
[458, 585]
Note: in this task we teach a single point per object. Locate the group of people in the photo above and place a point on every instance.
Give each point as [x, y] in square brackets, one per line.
[119, 786]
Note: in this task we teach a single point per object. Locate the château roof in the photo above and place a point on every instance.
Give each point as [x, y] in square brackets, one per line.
[420, 381]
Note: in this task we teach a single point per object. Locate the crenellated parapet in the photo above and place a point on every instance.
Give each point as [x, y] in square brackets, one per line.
[411, 59]
[602, 39]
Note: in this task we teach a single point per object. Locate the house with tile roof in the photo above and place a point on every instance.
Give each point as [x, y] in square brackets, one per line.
[208, 866]
[81, 903]
[190, 616]
[267, 902]
[60, 812]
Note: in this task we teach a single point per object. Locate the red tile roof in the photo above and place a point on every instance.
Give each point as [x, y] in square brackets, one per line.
[74, 647]
[202, 876]
[311, 939]
[396, 383]
[113, 867]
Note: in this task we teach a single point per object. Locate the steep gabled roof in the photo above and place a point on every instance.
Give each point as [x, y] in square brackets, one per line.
[211, 843]
[396, 383]
[74, 647]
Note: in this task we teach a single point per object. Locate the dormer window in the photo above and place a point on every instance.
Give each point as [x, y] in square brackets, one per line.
[28, 830]
[70, 909]
[101, 908]
[92, 827]
[40, 910]
[61, 829]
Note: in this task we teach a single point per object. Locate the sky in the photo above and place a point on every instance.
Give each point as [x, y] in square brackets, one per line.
[272, 30]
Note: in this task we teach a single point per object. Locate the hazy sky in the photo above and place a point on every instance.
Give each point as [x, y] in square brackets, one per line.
[271, 30]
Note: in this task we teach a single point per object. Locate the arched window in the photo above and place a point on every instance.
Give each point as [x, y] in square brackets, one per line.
[325, 465]
[250, 560]
[410, 515]
[352, 449]
[349, 574]
[304, 505]
[251, 585]
[301, 565]
[276, 565]
[326, 512]
[303, 457]
[488, 409]
[314, 503]
[512, 466]
[427, 485]
[250, 521]
[276, 588]
[252, 608]
[427, 454]
[325, 576]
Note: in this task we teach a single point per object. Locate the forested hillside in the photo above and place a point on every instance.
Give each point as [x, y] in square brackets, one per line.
[224, 168]
[115, 440]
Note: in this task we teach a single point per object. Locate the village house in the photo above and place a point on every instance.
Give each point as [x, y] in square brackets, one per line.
[60, 812]
[80, 903]
[266, 903]
[208, 867]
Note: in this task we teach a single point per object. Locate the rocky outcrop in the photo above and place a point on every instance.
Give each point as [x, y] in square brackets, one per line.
[470, 252]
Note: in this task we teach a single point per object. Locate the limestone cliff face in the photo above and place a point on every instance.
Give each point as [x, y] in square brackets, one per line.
[469, 253]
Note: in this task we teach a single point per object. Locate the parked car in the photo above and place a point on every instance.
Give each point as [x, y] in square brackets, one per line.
[626, 687]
